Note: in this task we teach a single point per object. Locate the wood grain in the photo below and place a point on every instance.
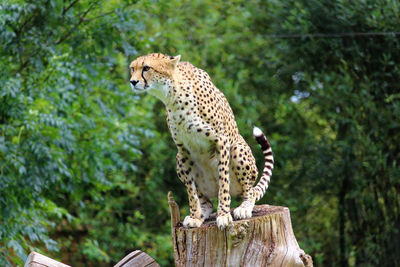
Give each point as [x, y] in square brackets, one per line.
[38, 260]
[137, 258]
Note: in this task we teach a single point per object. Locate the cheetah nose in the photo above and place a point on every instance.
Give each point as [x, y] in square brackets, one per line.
[134, 82]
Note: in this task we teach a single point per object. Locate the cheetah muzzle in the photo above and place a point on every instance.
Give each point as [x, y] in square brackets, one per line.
[213, 159]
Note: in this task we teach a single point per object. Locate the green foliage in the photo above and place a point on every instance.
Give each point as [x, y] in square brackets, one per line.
[350, 80]
[85, 165]
[69, 140]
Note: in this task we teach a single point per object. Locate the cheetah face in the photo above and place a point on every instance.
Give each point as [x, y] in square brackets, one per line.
[152, 73]
[142, 78]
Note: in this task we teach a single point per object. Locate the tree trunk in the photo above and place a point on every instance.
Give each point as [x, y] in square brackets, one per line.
[266, 239]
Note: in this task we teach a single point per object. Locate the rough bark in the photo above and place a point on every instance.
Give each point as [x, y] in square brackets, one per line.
[266, 239]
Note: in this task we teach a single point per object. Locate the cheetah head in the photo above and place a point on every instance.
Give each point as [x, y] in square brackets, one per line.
[152, 73]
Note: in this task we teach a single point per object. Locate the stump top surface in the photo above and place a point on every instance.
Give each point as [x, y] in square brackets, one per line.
[258, 211]
[261, 210]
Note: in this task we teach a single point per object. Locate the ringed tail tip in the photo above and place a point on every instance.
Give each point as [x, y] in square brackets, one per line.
[257, 132]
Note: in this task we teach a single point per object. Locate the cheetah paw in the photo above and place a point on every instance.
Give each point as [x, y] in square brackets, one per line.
[224, 220]
[191, 222]
[243, 212]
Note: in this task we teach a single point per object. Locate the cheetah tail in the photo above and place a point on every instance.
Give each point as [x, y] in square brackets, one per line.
[265, 178]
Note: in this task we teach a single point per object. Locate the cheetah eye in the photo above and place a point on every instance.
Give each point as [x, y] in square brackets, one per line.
[132, 70]
[146, 68]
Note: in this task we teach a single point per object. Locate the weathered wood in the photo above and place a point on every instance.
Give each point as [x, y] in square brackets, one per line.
[175, 219]
[137, 259]
[266, 239]
[174, 209]
[38, 260]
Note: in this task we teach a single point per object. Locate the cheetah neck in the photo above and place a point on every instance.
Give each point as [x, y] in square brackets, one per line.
[162, 92]
[168, 93]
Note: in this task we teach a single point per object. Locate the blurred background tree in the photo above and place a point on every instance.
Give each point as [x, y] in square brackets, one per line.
[85, 165]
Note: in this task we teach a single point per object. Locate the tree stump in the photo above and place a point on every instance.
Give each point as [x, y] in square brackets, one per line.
[266, 239]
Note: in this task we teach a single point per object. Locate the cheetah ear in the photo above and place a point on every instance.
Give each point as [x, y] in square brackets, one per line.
[175, 60]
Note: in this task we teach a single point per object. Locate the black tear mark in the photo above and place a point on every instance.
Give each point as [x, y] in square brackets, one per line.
[145, 81]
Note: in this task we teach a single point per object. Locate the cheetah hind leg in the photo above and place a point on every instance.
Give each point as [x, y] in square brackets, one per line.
[245, 169]
[207, 206]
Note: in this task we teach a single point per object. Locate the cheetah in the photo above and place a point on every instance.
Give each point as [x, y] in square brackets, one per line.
[213, 159]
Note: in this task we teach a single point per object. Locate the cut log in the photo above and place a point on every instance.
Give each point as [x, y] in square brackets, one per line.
[38, 260]
[137, 259]
[266, 239]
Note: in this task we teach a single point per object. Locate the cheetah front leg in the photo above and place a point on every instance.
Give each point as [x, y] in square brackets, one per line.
[185, 171]
[224, 217]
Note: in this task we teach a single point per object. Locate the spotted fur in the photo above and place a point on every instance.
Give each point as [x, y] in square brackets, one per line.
[213, 159]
